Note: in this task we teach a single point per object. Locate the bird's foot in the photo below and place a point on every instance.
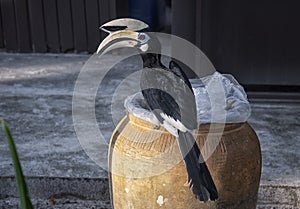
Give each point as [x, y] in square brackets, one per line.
[156, 127]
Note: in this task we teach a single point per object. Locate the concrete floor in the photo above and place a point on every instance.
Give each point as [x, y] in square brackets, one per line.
[36, 101]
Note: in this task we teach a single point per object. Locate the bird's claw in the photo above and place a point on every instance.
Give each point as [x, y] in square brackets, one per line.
[156, 127]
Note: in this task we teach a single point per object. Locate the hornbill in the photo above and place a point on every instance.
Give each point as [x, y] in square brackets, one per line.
[169, 95]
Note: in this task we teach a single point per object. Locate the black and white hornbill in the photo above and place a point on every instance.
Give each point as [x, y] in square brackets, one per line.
[170, 97]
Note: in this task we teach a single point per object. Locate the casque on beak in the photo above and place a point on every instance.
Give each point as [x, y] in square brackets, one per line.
[124, 24]
[123, 33]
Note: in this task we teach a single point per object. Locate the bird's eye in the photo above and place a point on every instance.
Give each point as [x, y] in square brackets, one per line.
[142, 37]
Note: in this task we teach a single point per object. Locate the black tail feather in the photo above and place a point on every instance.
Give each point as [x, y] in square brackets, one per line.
[199, 176]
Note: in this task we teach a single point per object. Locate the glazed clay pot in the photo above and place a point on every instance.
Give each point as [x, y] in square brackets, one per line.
[147, 170]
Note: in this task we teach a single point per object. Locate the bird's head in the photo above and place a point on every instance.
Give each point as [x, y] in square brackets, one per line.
[132, 33]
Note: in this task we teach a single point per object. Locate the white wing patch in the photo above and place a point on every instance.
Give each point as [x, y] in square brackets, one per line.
[174, 123]
[171, 129]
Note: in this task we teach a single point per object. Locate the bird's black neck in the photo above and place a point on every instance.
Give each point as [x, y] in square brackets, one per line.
[151, 60]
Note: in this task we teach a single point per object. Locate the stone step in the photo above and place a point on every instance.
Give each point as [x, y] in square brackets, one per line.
[54, 192]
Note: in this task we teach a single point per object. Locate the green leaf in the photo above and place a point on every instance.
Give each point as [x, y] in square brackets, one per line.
[22, 187]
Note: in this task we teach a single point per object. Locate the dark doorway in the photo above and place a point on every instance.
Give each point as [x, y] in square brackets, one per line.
[256, 41]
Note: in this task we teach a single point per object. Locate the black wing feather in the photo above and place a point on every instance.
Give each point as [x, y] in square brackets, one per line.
[199, 176]
[166, 92]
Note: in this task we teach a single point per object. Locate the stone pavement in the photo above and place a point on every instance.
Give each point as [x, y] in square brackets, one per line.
[36, 101]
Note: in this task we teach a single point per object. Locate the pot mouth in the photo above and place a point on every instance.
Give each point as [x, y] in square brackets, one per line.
[216, 128]
[236, 108]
